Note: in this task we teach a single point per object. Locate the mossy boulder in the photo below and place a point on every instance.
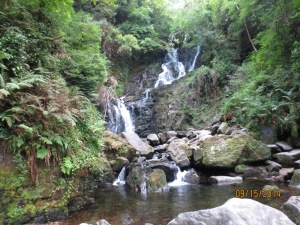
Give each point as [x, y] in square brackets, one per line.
[116, 146]
[138, 177]
[157, 180]
[228, 151]
[118, 163]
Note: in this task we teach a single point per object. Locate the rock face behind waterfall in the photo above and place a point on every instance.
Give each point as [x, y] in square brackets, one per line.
[141, 95]
[234, 212]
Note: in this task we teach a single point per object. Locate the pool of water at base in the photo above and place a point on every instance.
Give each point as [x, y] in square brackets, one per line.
[121, 206]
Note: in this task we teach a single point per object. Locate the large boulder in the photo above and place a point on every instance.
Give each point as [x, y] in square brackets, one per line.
[180, 152]
[115, 145]
[292, 209]
[157, 181]
[235, 212]
[228, 151]
[136, 142]
[287, 159]
[164, 164]
[138, 177]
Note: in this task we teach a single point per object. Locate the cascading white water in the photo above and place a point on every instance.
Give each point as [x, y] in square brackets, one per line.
[179, 181]
[192, 67]
[173, 69]
[129, 127]
[121, 178]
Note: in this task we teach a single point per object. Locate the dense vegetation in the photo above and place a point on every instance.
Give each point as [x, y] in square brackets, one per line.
[254, 48]
[56, 56]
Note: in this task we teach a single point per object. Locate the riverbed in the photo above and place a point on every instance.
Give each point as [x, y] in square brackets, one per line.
[121, 206]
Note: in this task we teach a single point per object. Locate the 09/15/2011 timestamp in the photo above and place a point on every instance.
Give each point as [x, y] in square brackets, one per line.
[240, 193]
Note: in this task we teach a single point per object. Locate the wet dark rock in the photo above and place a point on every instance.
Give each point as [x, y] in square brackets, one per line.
[234, 212]
[214, 129]
[274, 148]
[272, 168]
[291, 208]
[297, 164]
[79, 203]
[160, 148]
[181, 134]
[192, 177]
[284, 146]
[287, 159]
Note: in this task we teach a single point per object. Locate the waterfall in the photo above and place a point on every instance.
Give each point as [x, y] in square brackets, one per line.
[119, 117]
[174, 69]
[179, 181]
[121, 178]
[195, 58]
[129, 127]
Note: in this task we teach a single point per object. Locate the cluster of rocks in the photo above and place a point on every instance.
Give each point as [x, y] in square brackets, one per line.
[220, 147]
[238, 211]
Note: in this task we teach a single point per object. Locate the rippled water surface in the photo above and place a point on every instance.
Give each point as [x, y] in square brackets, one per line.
[120, 206]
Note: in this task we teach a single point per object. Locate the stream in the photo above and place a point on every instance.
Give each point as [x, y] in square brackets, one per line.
[121, 206]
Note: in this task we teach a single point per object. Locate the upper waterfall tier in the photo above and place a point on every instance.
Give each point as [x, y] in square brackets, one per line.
[176, 66]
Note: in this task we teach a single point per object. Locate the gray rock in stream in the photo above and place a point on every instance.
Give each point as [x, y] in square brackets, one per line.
[292, 209]
[234, 212]
[287, 159]
[153, 139]
[284, 146]
[180, 152]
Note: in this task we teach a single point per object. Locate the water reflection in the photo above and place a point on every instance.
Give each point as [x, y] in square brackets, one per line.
[120, 206]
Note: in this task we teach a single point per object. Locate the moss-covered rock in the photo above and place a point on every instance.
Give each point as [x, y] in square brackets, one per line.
[157, 180]
[118, 163]
[138, 177]
[116, 146]
[228, 152]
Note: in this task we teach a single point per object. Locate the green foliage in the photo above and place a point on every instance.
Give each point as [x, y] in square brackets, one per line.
[45, 46]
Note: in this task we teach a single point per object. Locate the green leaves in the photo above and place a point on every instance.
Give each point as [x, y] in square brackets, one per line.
[67, 166]
[41, 153]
